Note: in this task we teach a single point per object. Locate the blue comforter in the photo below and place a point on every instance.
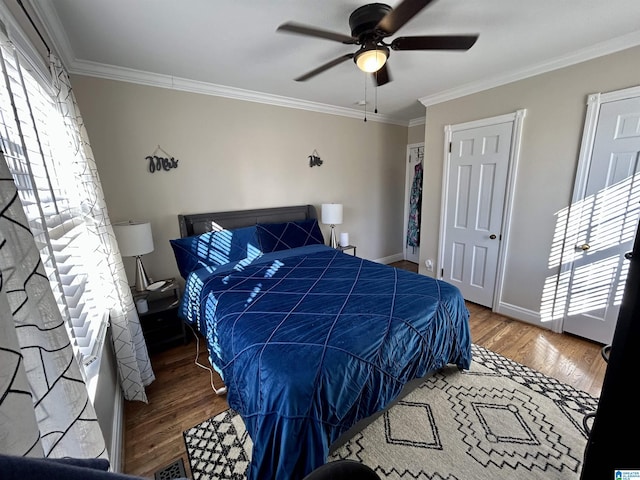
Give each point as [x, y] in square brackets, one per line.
[311, 340]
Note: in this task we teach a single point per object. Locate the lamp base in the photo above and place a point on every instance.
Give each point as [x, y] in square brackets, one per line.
[333, 242]
[142, 279]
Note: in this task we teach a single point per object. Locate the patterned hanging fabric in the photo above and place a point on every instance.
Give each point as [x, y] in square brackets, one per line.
[132, 357]
[44, 404]
[415, 205]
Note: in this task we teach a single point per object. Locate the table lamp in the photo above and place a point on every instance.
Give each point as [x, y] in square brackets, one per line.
[135, 240]
[332, 215]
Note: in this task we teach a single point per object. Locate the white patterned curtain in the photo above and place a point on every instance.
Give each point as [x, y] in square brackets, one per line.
[44, 404]
[47, 160]
[133, 361]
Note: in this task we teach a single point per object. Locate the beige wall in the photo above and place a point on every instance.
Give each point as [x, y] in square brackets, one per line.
[556, 107]
[236, 155]
[416, 134]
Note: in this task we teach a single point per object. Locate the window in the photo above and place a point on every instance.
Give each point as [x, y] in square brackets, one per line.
[42, 159]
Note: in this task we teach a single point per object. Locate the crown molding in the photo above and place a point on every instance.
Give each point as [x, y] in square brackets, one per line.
[417, 121]
[111, 72]
[604, 48]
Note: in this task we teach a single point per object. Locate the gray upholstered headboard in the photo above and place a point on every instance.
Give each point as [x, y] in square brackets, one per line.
[197, 223]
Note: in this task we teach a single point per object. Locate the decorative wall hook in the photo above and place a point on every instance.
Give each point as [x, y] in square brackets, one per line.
[157, 163]
[314, 159]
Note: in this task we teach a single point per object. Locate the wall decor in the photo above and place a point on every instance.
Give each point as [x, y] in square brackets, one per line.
[157, 163]
[314, 159]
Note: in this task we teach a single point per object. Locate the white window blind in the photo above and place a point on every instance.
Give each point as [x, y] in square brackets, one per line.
[40, 157]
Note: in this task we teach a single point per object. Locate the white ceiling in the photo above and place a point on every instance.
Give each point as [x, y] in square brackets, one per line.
[233, 44]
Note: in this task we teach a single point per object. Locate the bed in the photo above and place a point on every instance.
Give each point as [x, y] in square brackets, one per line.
[308, 340]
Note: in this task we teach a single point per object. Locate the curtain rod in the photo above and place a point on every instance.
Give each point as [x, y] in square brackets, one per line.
[34, 26]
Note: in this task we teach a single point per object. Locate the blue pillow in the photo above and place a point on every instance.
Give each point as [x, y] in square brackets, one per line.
[215, 249]
[282, 236]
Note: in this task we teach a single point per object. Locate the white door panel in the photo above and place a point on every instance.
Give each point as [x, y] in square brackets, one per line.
[605, 223]
[479, 271]
[477, 179]
[457, 262]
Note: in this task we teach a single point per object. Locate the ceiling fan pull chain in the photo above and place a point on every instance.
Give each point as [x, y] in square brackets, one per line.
[376, 95]
[365, 97]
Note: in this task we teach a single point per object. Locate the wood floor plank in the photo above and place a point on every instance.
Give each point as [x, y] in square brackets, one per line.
[181, 396]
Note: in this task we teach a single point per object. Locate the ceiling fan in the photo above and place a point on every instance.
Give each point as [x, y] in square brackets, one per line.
[370, 25]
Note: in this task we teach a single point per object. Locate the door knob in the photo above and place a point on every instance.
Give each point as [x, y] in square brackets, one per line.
[584, 247]
[492, 236]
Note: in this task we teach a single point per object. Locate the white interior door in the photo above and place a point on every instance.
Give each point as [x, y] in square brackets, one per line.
[475, 198]
[411, 242]
[603, 222]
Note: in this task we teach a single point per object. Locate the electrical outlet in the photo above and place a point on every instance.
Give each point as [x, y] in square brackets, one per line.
[429, 264]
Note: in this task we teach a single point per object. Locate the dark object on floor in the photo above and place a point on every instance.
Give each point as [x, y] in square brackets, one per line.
[343, 470]
[608, 450]
[172, 471]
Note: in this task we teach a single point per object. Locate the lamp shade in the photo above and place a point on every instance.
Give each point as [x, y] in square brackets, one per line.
[371, 59]
[134, 238]
[332, 213]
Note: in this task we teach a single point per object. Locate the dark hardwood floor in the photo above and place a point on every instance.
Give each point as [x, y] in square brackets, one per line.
[181, 396]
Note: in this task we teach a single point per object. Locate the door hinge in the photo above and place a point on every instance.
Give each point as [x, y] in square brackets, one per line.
[449, 147]
[442, 272]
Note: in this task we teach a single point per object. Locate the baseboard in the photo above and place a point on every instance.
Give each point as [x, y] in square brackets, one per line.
[117, 436]
[390, 259]
[523, 314]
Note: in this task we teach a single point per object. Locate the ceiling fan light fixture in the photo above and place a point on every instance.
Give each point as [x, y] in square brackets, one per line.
[370, 25]
[372, 58]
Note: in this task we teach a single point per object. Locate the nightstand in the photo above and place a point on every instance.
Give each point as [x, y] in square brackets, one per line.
[347, 247]
[161, 326]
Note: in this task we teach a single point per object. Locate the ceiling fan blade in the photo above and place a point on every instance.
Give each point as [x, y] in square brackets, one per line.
[290, 27]
[400, 15]
[324, 67]
[435, 42]
[382, 76]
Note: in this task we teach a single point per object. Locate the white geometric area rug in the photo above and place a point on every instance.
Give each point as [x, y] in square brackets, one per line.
[499, 420]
